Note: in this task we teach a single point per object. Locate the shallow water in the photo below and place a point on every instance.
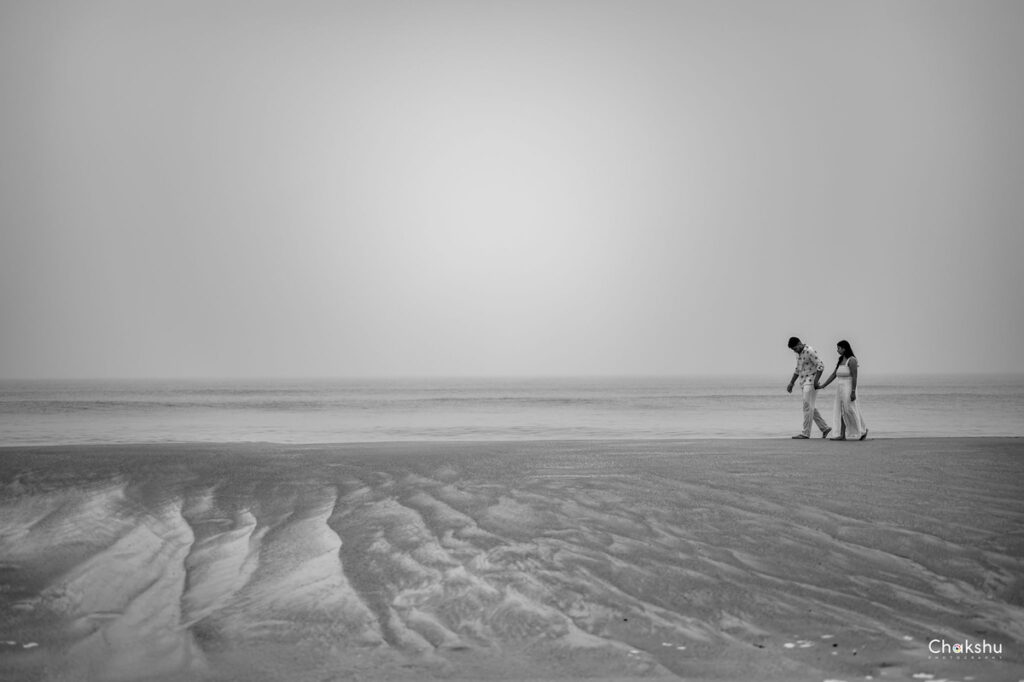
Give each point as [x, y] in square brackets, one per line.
[703, 560]
[43, 413]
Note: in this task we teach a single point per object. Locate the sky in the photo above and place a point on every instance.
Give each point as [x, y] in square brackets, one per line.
[508, 187]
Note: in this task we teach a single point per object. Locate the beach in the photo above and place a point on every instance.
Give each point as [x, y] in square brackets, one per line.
[620, 559]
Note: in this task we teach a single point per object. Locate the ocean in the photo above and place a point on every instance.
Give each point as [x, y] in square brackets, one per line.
[352, 411]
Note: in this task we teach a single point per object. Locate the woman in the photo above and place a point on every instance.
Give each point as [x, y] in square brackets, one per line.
[847, 409]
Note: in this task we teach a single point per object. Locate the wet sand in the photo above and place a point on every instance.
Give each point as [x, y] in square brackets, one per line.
[706, 560]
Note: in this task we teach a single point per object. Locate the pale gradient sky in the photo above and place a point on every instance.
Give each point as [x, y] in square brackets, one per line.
[300, 188]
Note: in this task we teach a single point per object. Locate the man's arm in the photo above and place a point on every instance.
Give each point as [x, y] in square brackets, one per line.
[819, 366]
[816, 359]
[796, 375]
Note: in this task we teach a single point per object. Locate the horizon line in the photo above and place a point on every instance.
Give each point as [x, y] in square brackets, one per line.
[479, 377]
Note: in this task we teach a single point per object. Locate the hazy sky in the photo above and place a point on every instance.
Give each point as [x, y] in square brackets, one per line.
[299, 188]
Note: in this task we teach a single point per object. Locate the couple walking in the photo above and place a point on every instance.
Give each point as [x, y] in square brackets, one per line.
[846, 413]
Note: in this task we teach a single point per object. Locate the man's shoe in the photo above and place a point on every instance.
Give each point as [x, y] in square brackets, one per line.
[800, 436]
[824, 434]
[864, 435]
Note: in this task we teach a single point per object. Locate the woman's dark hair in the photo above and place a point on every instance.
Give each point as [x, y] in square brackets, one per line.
[847, 351]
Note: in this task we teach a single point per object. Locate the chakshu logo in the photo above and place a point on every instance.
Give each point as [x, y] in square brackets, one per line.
[967, 649]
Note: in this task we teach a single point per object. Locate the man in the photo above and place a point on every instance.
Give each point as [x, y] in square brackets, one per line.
[808, 370]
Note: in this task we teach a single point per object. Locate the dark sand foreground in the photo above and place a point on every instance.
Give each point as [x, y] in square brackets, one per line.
[760, 560]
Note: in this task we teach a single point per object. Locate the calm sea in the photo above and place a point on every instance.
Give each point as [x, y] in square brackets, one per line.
[323, 411]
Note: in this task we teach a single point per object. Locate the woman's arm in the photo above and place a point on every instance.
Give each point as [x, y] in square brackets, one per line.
[831, 378]
[852, 364]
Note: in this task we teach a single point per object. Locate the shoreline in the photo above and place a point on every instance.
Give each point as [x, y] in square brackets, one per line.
[707, 559]
[755, 440]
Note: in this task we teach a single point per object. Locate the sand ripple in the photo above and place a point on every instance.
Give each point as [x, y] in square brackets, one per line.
[533, 563]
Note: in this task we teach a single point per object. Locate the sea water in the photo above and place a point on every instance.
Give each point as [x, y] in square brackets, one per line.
[334, 411]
